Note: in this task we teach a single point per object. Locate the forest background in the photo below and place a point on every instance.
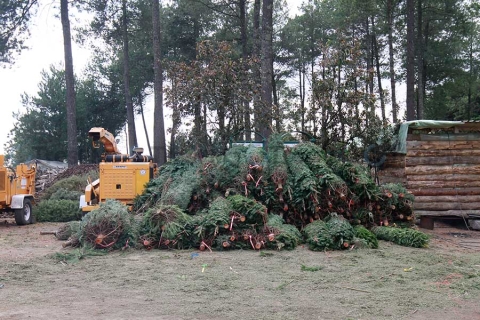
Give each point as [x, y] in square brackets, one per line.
[332, 70]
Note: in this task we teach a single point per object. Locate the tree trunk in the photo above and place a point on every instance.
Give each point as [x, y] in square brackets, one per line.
[243, 30]
[410, 60]
[379, 75]
[125, 131]
[369, 84]
[470, 80]
[176, 121]
[256, 67]
[132, 133]
[369, 66]
[159, 143]
[444, 169]
[420, 55]
[443, 206]
[221, 112]
[267, 68]
[140, 102]
[276, 109]
[70, 83]
[301, 88]
[391, 60]
[445, 191]
[204, 130]
[340, 100]
[200, 124]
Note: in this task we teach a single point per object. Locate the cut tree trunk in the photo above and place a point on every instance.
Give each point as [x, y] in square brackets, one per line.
[458, 213]
[442, 153]
[443, 145]
[445, 191]
[442, 206]
[444, 137]
[450, 198]
[446, 169]
[460, 178]
[444, 160]
[440, 184]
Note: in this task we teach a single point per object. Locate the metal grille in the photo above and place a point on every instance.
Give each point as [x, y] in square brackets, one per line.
[118, 184]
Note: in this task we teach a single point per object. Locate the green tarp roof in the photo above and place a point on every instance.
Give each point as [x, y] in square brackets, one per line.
[420, 124]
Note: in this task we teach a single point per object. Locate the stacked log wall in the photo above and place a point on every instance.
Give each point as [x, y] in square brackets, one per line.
[393, 170]
[443, 172]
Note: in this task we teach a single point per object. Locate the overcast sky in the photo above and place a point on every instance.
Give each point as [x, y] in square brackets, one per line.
[46, 48]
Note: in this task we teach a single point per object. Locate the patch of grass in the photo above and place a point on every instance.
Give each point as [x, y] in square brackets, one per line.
[311, 269]
[77, 254]
[265, 254]
[284, 285]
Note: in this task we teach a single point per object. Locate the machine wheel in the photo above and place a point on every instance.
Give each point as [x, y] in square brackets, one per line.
[24, 216]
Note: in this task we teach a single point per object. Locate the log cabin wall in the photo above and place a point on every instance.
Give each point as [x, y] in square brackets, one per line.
[393, 170]
[442, 170]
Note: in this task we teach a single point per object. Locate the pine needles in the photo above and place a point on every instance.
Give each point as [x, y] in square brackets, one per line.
[249, 199]
[281, 236]
[317, 236]
[67, 230]
[109, 226]
[402, 236]
[368, 238]
[341, 232]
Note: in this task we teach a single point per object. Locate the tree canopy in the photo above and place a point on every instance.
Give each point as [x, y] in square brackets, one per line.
[14, 27]
[336, 70]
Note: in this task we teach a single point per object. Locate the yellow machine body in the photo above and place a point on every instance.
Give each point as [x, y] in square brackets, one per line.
[17, 190]
[121, 177]
[121, 181]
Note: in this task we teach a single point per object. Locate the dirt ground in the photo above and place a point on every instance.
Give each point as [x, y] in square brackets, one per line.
[392, 282]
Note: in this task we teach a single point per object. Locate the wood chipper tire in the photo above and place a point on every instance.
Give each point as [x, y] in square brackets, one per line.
[24, 215]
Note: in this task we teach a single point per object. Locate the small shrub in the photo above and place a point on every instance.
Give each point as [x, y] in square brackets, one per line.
[64, 194]
[368, 237]
[317, 236]
[67, 230]
[57, 211]
[402, 236]
[341, 232]
[109, 226]
[286, 236]
[73, 183]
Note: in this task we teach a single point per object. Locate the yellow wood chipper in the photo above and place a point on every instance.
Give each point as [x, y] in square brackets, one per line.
[17, 190]
[121, 177]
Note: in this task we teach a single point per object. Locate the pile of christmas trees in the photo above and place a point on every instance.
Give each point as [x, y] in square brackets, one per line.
[301, 184]
[235, 222]
[250, 198]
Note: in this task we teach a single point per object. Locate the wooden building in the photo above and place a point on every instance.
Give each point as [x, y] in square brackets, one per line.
[439, 162]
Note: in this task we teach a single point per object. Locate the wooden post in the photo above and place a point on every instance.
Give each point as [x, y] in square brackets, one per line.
[427, 222]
